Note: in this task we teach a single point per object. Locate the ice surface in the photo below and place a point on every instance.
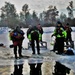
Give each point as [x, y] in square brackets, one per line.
[7, 57]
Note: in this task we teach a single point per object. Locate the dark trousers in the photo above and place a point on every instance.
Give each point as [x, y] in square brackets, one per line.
[60, 44]
[69, 38]
[19, 50]
[55, 46]
[35, 37]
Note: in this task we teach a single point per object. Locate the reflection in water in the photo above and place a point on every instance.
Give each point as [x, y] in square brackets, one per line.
[60, 69]
[35, 68]
[18, 69]
[45, 68]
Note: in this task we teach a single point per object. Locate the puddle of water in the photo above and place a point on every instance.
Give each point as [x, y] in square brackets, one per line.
[45, 68]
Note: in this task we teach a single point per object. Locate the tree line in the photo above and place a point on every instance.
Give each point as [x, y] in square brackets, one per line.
[10, 18]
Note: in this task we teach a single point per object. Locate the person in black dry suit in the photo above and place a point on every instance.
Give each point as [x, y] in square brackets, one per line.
[60, 35]
[41, 31]
[69, 36]
[33, 35]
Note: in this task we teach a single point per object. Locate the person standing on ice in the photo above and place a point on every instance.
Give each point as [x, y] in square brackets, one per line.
[41, 31]
[28, 32]
[69, 36]
[34, 35]
[60, 35]
[17, 37]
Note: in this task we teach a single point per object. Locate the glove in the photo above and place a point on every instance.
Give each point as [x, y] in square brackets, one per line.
[52, 35]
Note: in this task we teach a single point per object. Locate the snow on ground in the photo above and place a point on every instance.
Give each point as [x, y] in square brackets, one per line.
[6, 54]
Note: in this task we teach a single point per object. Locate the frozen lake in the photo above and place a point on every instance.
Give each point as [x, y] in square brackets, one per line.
[47, 64]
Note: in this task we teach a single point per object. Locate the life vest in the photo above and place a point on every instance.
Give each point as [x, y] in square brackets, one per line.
[63, 32]
[29, 35]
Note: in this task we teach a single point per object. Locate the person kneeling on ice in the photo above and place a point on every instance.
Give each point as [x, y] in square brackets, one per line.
[34, 35]
[60, 35]
[17, 36]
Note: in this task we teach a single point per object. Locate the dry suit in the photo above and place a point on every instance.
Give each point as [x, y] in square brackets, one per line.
[34, 35]
[60, 35]
[17, 37]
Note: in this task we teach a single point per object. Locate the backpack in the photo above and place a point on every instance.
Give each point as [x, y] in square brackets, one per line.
[16, 36]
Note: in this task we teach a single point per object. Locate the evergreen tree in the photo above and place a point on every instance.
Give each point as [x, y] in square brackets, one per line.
[9, 15]
[35, 18]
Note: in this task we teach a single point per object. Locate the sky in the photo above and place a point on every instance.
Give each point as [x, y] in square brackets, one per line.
[39, 5]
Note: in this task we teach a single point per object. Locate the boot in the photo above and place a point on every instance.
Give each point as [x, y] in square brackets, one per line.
[20, 55]
[38, 52]
[16, 56]
[33, 53]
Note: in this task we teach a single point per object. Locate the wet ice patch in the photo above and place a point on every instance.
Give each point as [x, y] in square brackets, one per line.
[5, 53]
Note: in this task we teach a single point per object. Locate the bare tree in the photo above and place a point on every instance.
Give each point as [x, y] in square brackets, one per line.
[63, 17]
[35, 18]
